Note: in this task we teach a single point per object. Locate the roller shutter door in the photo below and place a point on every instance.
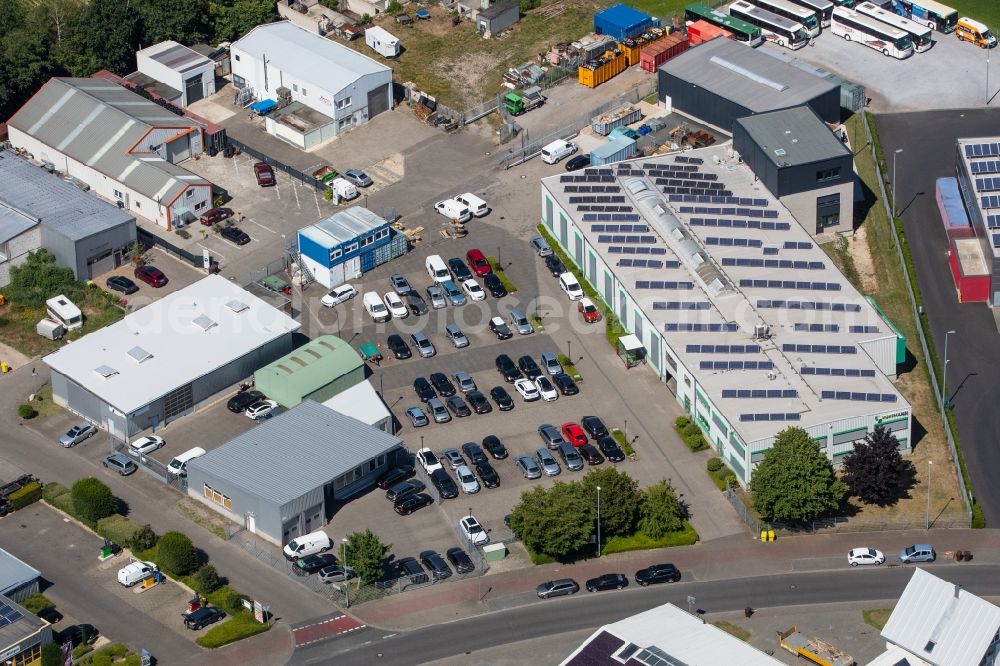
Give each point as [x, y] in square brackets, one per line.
[378, 100]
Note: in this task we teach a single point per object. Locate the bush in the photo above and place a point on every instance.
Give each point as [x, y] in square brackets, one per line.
[53, 490]
[394, 8]
[696, 443]
[681, 423]
[51, 655]
[227, 599]
[38, 602]
[715, 464]
[27, 411]
[691, 429]
[144, 539]
[183, 233]
[206, 580]
[639, 541]
[177, 554]
[26, 495]
[118, 529]
[81, 650]
[92, 500]
[239, 626]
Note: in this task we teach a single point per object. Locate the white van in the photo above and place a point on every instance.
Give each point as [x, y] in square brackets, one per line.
[453, 210]
[344, 189]
[309, 544]
[136, 572]
[376, 308]
[557, 150]
[568, 283]
[436, 268]
[178, 466]
[64, 311]
[475, 205]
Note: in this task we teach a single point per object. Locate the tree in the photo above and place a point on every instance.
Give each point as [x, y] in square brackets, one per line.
[92, 500]
[38, 279]
[110, 32]
[661, 511]
[365, 554]
[206, 580]
[144, 539]
[176, 554]
[557, 521]
[231, 19]
[620, 499]
[795, 482]
[184, 21]
[25, 64]
[875, 472]
[52, 655]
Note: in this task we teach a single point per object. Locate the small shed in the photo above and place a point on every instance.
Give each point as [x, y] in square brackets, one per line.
[498, 17]
[621, 21]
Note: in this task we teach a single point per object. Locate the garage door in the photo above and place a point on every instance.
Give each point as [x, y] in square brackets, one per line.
[378, 100]
[194, 89]
[100, 265]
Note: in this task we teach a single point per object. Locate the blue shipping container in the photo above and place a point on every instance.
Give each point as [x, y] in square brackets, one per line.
[621, 21]
[616, 150]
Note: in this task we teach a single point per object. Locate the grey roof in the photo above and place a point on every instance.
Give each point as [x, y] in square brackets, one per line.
[102, 124]
[307, 56]
[13, 222]
[23, 627]
[956, 625]
[747, 76]
[32, 194]
[343, 226]
[499, 8]
[14, 573]
[295, 452]
[175, 56]
[793, 136]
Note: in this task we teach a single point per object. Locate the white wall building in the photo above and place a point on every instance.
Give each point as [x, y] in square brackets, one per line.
[182, 76]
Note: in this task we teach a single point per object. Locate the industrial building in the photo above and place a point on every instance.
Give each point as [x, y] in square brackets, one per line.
[723, 80]
[168, 358]
[363, 402]
[320, 88]
[978, 170]
[22, 635]
[176, 73]
[18, 580]
[497, 17]
[346, 244]
[125, 147]
[745, 318]
[286, 476]
[41, 210]
[318, 370]
[801, 162]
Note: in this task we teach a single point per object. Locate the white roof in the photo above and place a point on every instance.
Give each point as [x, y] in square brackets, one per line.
[896, 656]
[170, 342]
[360, 402]
[308, 56]
[941, 623]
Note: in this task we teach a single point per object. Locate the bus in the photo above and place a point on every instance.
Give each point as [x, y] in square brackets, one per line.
[807, 18]
[920, 35]
[777, 29]
[823, 9]
[928, 12]
[856, 27]
[742, 31]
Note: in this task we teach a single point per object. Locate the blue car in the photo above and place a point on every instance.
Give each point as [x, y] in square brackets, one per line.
[921, 552]
[453, 293]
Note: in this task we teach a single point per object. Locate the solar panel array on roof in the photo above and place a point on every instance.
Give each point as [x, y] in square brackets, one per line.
[760, 393]
[990, 184]
[662, 284]
[641, 263]
[601, 238]
[836, 372]
[854, 395]
[739, 224]
[817, 328]
[773, 263]
[996, 240]
[690, 327]
[864, 329]
[798, 245]
[725, 241]
[614, 217]
[819, 349]
[791, 284]
[991, 201]
[770, 250]
[736, 365]
[642, 249]
[993, 221]
[8, 615]
[723, 349]
[688, 160]
[586, 177]
[605, 209]
[991, 166]
[592, 188]
[681, 305]
[770, 417]
[809, 305]
[706, 210]
[673, 186]
[982, 150]
[719, 199]
[596, 199]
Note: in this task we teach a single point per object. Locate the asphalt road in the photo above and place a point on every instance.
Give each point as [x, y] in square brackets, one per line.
[928, 143]
[557, 616]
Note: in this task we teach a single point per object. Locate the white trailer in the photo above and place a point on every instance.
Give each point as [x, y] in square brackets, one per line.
[382, 42]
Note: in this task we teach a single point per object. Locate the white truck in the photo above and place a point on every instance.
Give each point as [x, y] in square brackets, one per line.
[136, 572]
[382, 42]
[344, 189]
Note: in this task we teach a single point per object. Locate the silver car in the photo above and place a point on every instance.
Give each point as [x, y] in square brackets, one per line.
[550, 435]
[453, 457]
[520, 322]
[540, 246]
[547, 462]
[465, 381]
[438, 410]
[454, 333]
[424, 346]
[119, 463]
[529, 468]
[78, 433]
[570, 457]
[436, 296]
[399, 284]
[466, 480]
[550, 364]
[357, 177]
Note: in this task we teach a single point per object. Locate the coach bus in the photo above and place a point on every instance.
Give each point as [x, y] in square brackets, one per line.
[823, 9]
[742, 31]
[777, 29]
[807, 18]
[928, 12]
[855, 27]
[920, 35]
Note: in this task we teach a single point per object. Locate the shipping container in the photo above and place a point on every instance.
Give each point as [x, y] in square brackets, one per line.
[968, 270]
[654, 55]
[633, 45]
[621, 21]
[623, 115]
[608, 66]
[952, 210]
[616, 150]
[702, 31]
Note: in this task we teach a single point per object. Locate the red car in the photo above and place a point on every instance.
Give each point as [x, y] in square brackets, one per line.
[151, 275]
[574, 433]
[588, 310]
[477, 261]
[214, 215]
[264, 174]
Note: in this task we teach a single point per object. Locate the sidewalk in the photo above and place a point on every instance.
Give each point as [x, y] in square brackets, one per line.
[267, 649]
[12, 357]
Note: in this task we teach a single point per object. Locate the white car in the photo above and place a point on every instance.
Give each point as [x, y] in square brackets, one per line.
[428, 460]
[473, 531]
[466, 479]
[546, 389]
[261, 408]
[453, 210]
[865, 556]
[146, 445]
[568, 283]
[395, 305]
[527, 389]
[475, 292]
[338, 295]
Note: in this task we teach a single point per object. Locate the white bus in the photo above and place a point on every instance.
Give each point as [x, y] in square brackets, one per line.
[920, 35]
[856, 27]
[823, 9]
[777, 29]
[807, 18]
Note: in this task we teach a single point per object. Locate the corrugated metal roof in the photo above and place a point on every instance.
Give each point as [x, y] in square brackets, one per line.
[793, 136]
[59, 205]
[361, 402]
[313, 365]
[343, 226]
[295, 452]
[941, 623]
[307, 56]
[14, 573]
[498, 9]
[748, 77]
[612, 147]
[175, 56]
[12, 223]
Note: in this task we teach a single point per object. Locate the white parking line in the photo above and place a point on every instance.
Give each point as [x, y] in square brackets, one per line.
[295, 190]
[319, 211]
[213, 252]
[254, 222]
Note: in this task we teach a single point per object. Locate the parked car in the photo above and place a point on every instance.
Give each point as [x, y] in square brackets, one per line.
[578, 162]
[452, 457]
[435, 564]
[557, 588]
[528, 467]
[444, 387]
[527, 365]
[428, 460]
[487, 474]
[609, 447]
[457, 337]
[453, 293]
[404, 488]
[565, 384]
[120, 463]
[594, 426]
[502, 398]
[336, 574]
[505, 366]
[570, 457]
[122, 284]
[657, 573]
[922, 552]
[445, 484]
[478, 402]
[310, 564]
[410, 568]
[865, 556]
[588, 311]
[500, 328]
[546, 389]
[493, 284]
[77, 635]
[547, 462]
[495, 447]
[540, 246]
[357, 177]
[417, 417]
[460, 560]
[520, 322]
[423, 344]
[338, 295]
[459, 271]
[395, 476]
[413, 502]
[423, 389]
[242, 400]
[527, 389]
[261, 409]
[550, 363]
[589, 453]
[398, 347]
[470, 528]
[235, 235]
[458, 406]
[474, 453]
[395, 305]
[78, 433]
[215, 215]
[570, 286]
[438, 411]
[473, 290]
[554, 265]
[264, 174]
[202, 617]
[573, 434]
[151, 275]
[436, 296]
[399, 284]
[466, 480]
[615, 581]
[465, 381]
[145, 445]
[478, 263]
[550, 436]
[415, 303]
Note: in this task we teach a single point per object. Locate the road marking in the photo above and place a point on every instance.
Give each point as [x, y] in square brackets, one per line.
[295, 191]
[316, 196]
[388, 636]
[252, 221]
[212, 252]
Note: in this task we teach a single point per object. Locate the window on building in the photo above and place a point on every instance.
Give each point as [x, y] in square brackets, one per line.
[217, 497]
[334, 254]
[136, 202]
[372, 465]
[304, 92]
[189, 194]
[197, 206]
[295, 87]
[350, 248]
[27, 656]
[548, 212]
[118, 194]
[382, 234]
[608, 288]
[344, 103]
[236, 57]
[358, 472]
[381, 459]
[826, 175]
[563, 230]
[827, 212]
[638, 324]
[367, 240]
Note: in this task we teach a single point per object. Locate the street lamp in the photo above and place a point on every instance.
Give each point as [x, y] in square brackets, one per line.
[626, 430]
[347, 578]
[987, 77]
[598, 521]
[944, 373]
[927, 519]
[897, 152]
[569, 350]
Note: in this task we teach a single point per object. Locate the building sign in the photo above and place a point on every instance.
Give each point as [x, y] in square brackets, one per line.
[10, 653]
[890, 417]
[206, 260]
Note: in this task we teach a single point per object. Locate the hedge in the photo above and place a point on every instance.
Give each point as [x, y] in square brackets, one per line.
[26, 495]
[52, 490]
[118, 529]
[690, 433]
[241, 625]
[227, 599]
[639, 541]
[37, 602]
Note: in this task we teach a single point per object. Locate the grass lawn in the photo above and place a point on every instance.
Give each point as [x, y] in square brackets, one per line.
[43, 403]
[877, 617]
[987, 11]
[733, 629]
[17, 324]
[638, 541]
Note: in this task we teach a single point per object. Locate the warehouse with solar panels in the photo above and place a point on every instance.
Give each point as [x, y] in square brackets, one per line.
[741, 313]
[978, 169]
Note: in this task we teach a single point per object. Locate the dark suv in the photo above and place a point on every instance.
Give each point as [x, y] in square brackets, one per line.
[409, 566]
[202, 617]
[528, 366]
[459, 270]
[423, 389]
[506, 367]
[443, 385]
[658, 573]
[445, 484]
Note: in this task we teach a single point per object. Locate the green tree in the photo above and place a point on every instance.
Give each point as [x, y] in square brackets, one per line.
[661, 511]
[184, 21]
[620, 499]
[52, 655]
[92, 500]
[25, 64]
[38, 279]
[795, 482]
[557, 521]
[176, 554]
[144, 539]
[365, 553]
[875, 472]
[207, 580]
[231, 19]
[109, 31]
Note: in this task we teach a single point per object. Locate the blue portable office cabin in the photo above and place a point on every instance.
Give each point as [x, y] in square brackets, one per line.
[348, 243]
[621, 21]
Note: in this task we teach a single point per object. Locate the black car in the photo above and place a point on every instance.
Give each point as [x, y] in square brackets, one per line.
[397, 346]
[310, 564]
[458, 406]
[459, 270]
[416, 304]
[460, 560]
[527, 365]
[240, 401]
[435, 564]
[500, 328]
[478, 402]
[394, 476]
[423, 389]
[445, 484]
[578, 162]
[409, 566]
[496, 448]
[235, 235]
[590, 454]
[502, 398]
[410, 503]
[404, 488]
[609, 447]
[78, 634]
[474, 453]
[607, 582]
[487, 474]
[443, 385]
[122, 284]
[492, 284]
[506, 367]
[658, 573]
[594, 426]
[565, 384]
[554, 265]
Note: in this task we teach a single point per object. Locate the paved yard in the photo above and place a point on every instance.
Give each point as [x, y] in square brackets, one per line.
[179, 274]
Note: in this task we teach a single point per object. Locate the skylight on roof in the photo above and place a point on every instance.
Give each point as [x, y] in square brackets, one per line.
[105, 371]
[204, 322]
[138, 354]
[237, 305]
